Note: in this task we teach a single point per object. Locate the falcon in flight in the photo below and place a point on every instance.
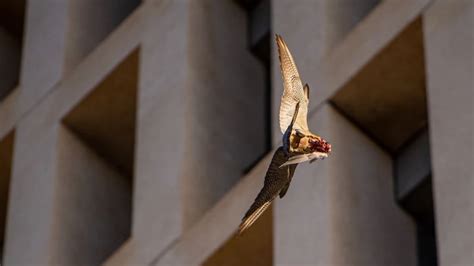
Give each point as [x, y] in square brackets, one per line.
[299, 144]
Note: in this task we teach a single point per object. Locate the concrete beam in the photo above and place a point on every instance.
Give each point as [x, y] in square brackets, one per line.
[89, 22]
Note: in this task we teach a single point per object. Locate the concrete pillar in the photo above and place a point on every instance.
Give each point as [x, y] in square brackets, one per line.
[43, 49]
[31, 194]
[225, 105]
[161, 128]
[449, 61]
[191, 145]
[31, 189]
[342, 211]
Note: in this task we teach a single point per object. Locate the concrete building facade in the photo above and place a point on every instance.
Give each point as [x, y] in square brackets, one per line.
[139, 132]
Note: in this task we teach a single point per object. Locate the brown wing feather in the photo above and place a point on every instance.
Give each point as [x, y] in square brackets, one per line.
[276, 179]
[293, 90]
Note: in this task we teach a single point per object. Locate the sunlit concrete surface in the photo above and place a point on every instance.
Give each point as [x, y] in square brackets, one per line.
[139, 132]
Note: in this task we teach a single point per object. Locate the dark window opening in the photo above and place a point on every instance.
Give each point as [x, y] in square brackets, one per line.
[6, 159]
[12, 17]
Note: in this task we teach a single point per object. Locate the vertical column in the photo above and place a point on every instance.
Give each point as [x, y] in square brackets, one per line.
[43, 49]
[449, 57]
[342, 208]
[161, 127]
[32, 185]
[28, 227]
[226, 110]
[200, 113]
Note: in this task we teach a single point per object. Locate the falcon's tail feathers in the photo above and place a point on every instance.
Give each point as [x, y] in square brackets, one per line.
[248, 221]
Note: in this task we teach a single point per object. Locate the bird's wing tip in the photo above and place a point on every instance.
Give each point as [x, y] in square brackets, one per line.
[250, 220]
[280, 41]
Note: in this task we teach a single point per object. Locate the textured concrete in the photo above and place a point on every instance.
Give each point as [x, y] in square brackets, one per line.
[43, 49]
[217, 225]
[89, 22]
[343, 15]
[180, 166]
[255, 247]
[199, 126]
[225, 133]
[90, 196]
[29, 228]
[387, 98]
[160, 132]
[343, 215]
[450, 71]
[31, 195]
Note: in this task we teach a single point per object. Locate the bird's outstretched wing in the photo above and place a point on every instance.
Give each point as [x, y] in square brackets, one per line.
[293, 91]
[276, 183]
[289, 130]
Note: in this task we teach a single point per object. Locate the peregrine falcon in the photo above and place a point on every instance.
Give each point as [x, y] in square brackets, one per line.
[299, 144]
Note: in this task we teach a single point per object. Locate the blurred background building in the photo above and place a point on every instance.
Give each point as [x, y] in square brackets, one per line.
[139, 132]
